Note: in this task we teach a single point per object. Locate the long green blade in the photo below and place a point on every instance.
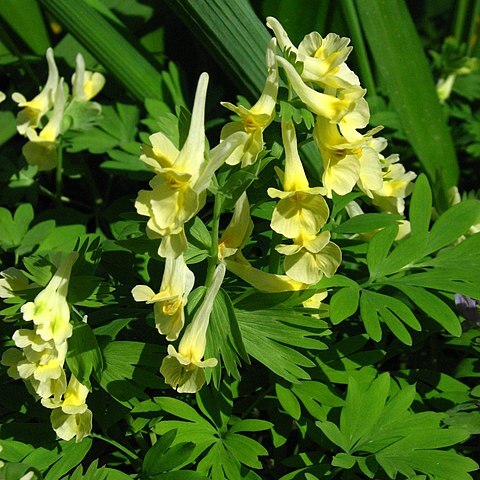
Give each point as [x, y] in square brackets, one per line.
[404, 72]
[233, 33]
[108, 46]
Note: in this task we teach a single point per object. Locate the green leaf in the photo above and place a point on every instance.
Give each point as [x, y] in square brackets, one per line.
[407, 77]
[62, 238]
[368, 222]
[72, 454]
[369, 315]
[288, 401]
[379, 247]
[269, 336]
[420, 210]
[84, 356]
[453, 223]
[116, 53]
[434, 307]
[160, 458]
[344, 304]
[25, 18]
[232, 32]
[13, 229]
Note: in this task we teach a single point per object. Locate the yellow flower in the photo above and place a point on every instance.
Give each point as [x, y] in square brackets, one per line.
[50, 311]
[334, 108]
[182, 177]
[256, 119]
[41, 149]
[85, 84]
[169, 303]
[39, 362]
[397, 184]
[262, 281]
[35, 109]
[310, 257]
[71, 417]
[2, 97]
[323, 59]
[238, 230]
[184, 370]
[300, 208]
[347, 163]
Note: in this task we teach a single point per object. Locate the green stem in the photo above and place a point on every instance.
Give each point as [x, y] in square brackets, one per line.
[474, 28]
[58, 175]
[360, 50]
[64, 199]
[274, 260]
[460, 16]
[213, 260]
[122, 448]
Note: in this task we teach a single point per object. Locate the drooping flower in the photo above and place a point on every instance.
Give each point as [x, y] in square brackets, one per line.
[170, 301]
[49, 311]
[184, 370]
[85, 84]
[323, 59]
[71, 416]
[301, 208]
[310, 257]
[35, 109]
[41, 148]
[256, 119]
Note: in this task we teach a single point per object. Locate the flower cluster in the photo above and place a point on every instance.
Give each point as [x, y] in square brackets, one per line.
[40, 352]
[60, 109]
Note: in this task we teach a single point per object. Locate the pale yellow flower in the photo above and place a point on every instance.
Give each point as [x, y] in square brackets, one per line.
[300, 208]
[334, 108]
[238, 230]
[262, 281]
[71, 417]
[35, 109]
[169, 302]
[50, 311]
[41, 149]
[39, 362]
[184, 370]
[182, 177]
[397, 184]
[256, 119]
[310, 257]
[85, 84]
[323, 59]
[2, 97]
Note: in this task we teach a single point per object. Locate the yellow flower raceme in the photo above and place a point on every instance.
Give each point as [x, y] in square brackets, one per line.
[323, 59]
[238, 230]
[41, 149]
[35, 109]
[169, 303]
[85, 84]
[70, 416]
[49, 311]
[310, 257]
[300, 208]
[184, 370]
[256, 119]
[334, 108]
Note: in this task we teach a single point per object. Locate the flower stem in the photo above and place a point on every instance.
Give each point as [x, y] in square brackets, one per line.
[122, 448]
[58, 175]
